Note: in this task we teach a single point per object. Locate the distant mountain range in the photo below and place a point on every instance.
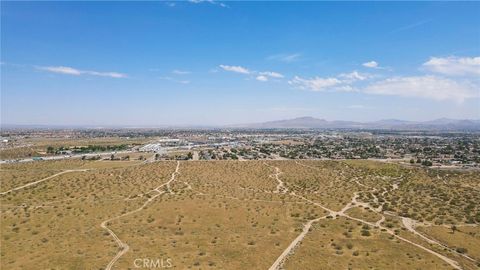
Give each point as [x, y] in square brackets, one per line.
[295, 123]
[315, 123]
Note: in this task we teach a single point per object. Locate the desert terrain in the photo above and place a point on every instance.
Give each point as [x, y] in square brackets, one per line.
[291, 214]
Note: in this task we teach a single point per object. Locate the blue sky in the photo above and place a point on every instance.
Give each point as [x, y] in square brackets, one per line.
[214, 63]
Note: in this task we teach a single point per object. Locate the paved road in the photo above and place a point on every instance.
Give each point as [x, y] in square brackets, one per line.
[66, 156]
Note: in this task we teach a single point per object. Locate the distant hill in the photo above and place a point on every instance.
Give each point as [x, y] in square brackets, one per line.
[306, 122]
[316, 123]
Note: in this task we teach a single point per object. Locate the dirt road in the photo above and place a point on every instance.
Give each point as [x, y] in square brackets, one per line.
[41, 180]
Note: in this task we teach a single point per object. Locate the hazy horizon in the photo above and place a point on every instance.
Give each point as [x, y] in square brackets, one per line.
[200, 125]
[213, 63]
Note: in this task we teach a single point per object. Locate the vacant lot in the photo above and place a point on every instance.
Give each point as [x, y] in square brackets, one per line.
[74, 214]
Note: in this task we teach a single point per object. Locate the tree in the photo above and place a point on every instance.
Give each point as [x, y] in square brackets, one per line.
[189, 155]
[412, 161]
[112, 157]
[50, 150]
[453, 228]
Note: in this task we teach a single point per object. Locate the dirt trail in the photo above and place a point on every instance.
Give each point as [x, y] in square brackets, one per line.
[353, 203]
[289, 250]
[410, 224]
[453, 263]
[280, 186]
[42, 180]
[124, 246]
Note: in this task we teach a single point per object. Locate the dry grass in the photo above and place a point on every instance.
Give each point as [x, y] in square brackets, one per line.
[338, 244]
[221, 215]
[466, 237]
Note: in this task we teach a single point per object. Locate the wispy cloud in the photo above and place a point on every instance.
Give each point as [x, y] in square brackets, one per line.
[423, 86]
[410, 26]
[180, 72]
[342, 82]
[62, 70]
[375, 65]
[259, 75]
[209, 2]
[354, 76]
[175, 80]
[261, 78]
[237, 69]
[283, 57]
[76, 72]
[428, 86]
[371, 64]
[454, 66]
[271, 74]
[314, 84]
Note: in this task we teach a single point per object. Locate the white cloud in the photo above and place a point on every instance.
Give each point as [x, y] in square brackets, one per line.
[62, 70]
[271, 74]
[77, 72]
[430, 87]
[175, 80]
[341, 83]
[259, 76]
[287, 58]
[314, 84]
[454, 66]
[262, 78]
[180, 72]
[344, 88]
[208, 1]
[237, 69]
[371, 64]
[354, 76]
[106, 74]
